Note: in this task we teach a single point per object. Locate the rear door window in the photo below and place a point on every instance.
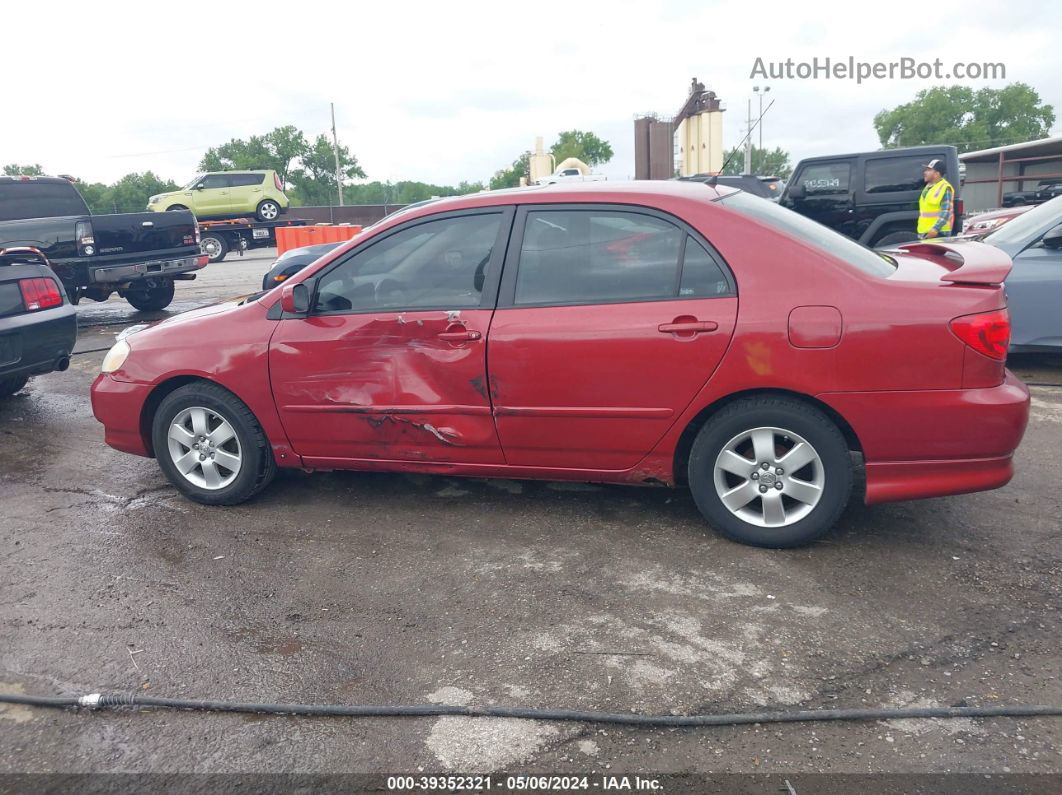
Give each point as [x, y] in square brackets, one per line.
[596, 257]
[242, 180]
[894, 174]
[826, 179]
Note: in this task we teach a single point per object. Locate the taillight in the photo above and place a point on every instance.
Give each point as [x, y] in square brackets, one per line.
[86, 243]
[40, 293]
[276, 181]
[986, 332]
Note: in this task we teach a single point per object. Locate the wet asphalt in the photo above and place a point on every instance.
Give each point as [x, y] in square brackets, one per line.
[389, 588]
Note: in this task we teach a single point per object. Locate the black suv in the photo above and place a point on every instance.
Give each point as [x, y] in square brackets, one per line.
[870, 196]
[764, 187]
[38, 325]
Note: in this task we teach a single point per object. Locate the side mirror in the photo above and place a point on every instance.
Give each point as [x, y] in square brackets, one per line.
[200, 186]
[295, 299]
[1053, 238]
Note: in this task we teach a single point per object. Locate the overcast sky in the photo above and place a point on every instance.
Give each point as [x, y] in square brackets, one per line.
[441, 92]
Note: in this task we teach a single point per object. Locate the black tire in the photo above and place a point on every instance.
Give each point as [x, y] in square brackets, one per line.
[892, 238]
[216, 243]
[11, 384]
[173, 207]
[151, 299]
[267, 210]
[797, 418]
[258, 466]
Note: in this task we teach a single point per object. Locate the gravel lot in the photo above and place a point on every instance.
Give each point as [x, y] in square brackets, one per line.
[376, 588]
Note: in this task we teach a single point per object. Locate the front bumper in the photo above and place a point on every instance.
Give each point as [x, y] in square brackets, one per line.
[119, 405]
[37, 342]
[933, 443]
[116, 274]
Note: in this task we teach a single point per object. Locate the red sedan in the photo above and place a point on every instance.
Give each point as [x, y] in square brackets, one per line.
[643, 333]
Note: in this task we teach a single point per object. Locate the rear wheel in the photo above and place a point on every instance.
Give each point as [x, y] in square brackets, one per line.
[215, 246]
[268, 210]
[11, 384]
[151, 298]
[210, 445]
[771, 472]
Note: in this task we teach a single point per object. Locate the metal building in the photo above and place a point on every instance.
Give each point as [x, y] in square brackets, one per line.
[992, 172]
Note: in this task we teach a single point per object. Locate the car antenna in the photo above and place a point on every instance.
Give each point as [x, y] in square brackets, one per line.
[715, 177]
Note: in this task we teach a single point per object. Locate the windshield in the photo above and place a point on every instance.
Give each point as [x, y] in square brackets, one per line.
[1016, 231]
[811, 232]
[191, 184]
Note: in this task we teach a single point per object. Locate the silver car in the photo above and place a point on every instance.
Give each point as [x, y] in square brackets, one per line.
[1034, 287]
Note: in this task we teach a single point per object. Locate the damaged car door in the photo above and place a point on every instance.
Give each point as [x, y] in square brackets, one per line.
[390, 362]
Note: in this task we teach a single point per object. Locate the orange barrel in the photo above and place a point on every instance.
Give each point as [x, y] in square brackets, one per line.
[287, 238]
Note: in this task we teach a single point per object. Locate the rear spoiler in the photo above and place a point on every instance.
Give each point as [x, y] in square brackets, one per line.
[22, 255]
[967, 262]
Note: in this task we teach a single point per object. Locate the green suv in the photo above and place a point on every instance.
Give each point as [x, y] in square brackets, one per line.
[223, 194]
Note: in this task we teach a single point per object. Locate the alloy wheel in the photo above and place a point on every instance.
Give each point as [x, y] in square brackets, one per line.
[769, 477]
[204, 448]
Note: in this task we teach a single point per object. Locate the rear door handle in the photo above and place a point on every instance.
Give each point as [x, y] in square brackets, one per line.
[687, 327]
[460, 336]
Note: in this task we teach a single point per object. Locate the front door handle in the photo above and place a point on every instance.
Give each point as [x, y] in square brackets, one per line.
[465, 335]
[684, 326]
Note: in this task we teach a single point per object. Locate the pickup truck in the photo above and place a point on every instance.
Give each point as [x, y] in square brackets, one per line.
[137, 255]
[569, 175]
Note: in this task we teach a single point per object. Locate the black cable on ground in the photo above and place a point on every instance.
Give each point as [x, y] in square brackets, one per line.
[98, 701]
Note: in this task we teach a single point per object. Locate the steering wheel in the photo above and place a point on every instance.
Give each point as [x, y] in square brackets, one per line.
[390, 292]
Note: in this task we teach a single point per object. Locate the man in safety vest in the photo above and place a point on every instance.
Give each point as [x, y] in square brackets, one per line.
[936, 205]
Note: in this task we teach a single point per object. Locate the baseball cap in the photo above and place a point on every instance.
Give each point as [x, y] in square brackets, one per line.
[936, 164]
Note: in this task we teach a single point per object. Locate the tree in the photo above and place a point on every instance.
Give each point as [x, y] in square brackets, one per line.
[315, 179]
[130, 194]
[966, 118]
[510, 177]
[767, 162]
[16, 170]
[584, 145]
[276, 150]
[404, 192]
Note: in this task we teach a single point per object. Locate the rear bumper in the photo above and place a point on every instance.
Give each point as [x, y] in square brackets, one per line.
[936, 442]
[37, 342]
[119, 405]
[114, 274]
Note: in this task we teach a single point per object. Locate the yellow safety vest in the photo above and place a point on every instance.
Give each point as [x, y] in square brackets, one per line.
[929, 207]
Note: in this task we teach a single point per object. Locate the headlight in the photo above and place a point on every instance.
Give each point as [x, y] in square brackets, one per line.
[115, 357]
[153, 200]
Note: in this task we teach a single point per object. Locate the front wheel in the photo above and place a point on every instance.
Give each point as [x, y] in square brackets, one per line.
[268, 210]
[771, 472]
[210, 445]
[175, 207]
[151, 299]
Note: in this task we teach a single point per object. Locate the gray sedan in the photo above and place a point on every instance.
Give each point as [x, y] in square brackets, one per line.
[1034, 288]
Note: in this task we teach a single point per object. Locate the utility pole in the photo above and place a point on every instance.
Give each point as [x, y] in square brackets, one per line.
[335, 148]
[760, 120]
[748, 141]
